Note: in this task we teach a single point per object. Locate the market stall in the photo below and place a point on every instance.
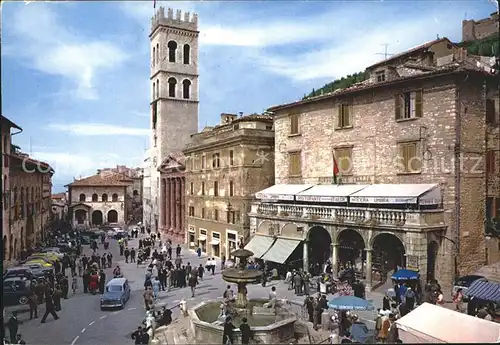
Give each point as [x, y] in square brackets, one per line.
[359, 331]
[434, 324]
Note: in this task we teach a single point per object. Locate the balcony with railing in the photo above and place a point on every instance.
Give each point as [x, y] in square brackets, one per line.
[350, 215]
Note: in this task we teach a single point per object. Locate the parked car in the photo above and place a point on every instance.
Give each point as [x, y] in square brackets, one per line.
[18, 272]
[38, 269]
[117, 293]
[464, 283]
[16, 290]
[56, 251]
[120, 234]
[44, 262]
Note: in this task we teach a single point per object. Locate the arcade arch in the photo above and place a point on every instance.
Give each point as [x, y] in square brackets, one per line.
[388, 253]
[97, 218]
[319, 248]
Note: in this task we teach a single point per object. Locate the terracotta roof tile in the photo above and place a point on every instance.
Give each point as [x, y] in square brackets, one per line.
[112, 179]
[59, 196]
[254, 117]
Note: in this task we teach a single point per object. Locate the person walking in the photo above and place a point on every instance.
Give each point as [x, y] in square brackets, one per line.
[458, 300]
[13, 325]
[156, 287]
[74, 284]
[33, 302]
[193, 281]
[80, 268]
[245, 331]
[201, 271]
[64, 287]
[102, 281]
[178, 250]
[132, 255]
[49, 307]
[57, 298]
[227, 336]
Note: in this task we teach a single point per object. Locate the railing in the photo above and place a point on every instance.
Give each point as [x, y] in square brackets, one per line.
[344, 214]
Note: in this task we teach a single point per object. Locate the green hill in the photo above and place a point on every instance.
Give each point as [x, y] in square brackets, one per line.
[488, 46]
[341, 83]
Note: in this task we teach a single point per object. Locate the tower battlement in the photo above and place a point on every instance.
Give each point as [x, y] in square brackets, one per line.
[180, 20]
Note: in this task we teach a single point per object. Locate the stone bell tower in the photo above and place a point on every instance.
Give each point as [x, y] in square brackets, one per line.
[174, 90]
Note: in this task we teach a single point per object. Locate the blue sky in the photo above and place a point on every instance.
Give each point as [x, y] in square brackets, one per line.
[75, 75]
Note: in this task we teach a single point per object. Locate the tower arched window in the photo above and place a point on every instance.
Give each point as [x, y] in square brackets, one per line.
[172, 48]
[95, 197]
[114, 197]
[157, 88]
[82, 197]
[157, 53]
[104, 197]
[32, 194]
[186, 54]
[154, 56]
[186, 88]
[172, 83]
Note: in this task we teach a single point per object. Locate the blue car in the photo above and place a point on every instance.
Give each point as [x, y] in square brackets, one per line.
[116, 294]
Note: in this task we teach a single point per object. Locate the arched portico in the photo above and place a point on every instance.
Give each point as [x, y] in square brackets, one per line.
[388, 254]
[97, 217]
[318, 248]
[81, 216]
[351, 247]
[112, 216]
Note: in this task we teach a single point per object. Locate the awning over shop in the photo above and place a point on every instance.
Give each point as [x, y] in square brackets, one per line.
[484, 290]
[434, 324]
[259, 245]
[282, 191]
[423, 194]
[281, 250]
[214, 242]
[202, 238]
[328, 193]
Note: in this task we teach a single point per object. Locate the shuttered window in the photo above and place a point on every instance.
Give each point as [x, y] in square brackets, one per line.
[410, 159]
[294, 124]
[344, 116]
[490, 162]
[343, 157]
[490, 112]
[294, 164]
[408, 105]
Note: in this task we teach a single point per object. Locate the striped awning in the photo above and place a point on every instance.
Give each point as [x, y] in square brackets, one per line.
[484, 290]
[259, 245]
[281, 250]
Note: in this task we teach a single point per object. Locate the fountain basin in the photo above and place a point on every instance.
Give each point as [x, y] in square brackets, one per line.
[266, 328]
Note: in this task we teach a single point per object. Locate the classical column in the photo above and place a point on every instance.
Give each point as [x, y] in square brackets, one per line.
[368, 281]
[305, 257]
[183, 206]
[162, 203]
[166, 199]
[171, 204]
[177, 204]
[335, 259]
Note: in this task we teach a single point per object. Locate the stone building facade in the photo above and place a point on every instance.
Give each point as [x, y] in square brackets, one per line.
[59, 206]
[174, 96]
[98, 200]
[29, 205]
[420, 139]
[173, 197]
[478, 29]
[225, 166]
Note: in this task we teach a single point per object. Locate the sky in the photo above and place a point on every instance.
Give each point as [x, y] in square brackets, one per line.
[75, 75]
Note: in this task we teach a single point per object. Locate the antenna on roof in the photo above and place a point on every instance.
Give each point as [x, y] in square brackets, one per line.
[385, 53]
[437, 36]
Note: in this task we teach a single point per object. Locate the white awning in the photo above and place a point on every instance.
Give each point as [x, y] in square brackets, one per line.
[281, 250]
[202, 238]
[282, 191]
[214, 242]
[259, 245]
[329, 193]
[425, 194]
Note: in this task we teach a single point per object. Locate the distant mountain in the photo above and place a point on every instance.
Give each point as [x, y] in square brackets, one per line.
[341, 83]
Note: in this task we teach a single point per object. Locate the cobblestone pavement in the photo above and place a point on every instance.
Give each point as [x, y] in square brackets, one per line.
[82, 322]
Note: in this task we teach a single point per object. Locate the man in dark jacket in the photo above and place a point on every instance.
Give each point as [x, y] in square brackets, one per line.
[49, 307]
[102, 281]
[132, 255]
[86, 280]
[178, 250]
[33, 302]
[64, 287]
[56, 297]
[13, 325]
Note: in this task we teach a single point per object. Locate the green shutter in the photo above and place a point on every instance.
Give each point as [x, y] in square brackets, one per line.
[418, 103]
[339, 117]
[397, 106]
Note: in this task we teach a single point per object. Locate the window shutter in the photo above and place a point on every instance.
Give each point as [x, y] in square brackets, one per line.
[349, 114]
[294, 124]
[418, 103]
[339, 117]
[490, 111]
[397, 106]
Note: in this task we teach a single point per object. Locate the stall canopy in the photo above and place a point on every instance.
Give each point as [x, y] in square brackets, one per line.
[281, 250]
[434, 324]
[282, 191]
[259, 245]
[423, 194]
[487, 291]
[328, 193]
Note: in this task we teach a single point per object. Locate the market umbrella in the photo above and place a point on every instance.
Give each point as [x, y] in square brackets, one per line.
[405, 275]
[350, 303]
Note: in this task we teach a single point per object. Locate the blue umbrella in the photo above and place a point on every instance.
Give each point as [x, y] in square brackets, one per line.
[350, 303]
[405, 275]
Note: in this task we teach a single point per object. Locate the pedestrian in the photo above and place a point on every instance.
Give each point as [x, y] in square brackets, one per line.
[103, 261]
[33, 302]
[198, 252]
[227, 336]
[110, 259]
[201, 271]
[13, 325]
[85, 281]
[74, 284]
[80, 267]
[245, 331]
[148, 298]
[64, 287]
[458, 300]
[156, 287]
[178, 250]
[193, 281]
[127, 254]
[102, 281]
[410, 298]
[132, 255]
[137, 336]
[57, 297]
[49, 308]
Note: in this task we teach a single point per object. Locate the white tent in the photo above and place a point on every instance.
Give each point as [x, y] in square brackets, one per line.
[434, 324]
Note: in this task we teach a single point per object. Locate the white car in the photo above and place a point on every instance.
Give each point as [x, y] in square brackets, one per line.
[111, 233]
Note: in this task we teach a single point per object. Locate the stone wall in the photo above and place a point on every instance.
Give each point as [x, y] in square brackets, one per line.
[476, 30]
[119, 206]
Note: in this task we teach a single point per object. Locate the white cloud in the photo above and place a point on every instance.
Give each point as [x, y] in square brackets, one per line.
[48, 46]
[94, 129]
